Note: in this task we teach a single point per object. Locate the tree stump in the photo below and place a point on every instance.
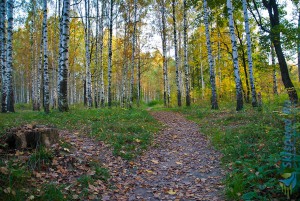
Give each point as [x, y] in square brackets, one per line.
[31, 136]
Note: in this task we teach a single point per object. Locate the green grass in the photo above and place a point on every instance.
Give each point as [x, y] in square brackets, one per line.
[129, 131]
[250, 141]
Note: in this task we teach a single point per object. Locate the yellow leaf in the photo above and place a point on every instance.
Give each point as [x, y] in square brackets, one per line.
[137, 140]
[179, 163]
[171, 192]
[149, 171]
[31, 197]
[155, 161]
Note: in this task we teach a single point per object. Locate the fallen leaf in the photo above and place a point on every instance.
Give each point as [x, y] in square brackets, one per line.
[149, 171]
[138, 140]
[172, 192]
[155, 161]
[178, 163]
[4, 170]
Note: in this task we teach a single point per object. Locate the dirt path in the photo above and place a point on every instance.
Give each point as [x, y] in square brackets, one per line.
[180, 166]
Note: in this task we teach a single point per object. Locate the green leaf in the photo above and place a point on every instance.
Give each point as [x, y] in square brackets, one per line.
[249, 196]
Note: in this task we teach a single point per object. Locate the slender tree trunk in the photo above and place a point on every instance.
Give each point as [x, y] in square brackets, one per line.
[102, 98]
[165, 62]
[214, 96]
[3, 55]
[9, 51]
[186, 66]
[64, 61]
[46, 75]
[238, 87]
[273, 11]
[247, 93]
[274, 74]
[124, 70]
[133, 54]
[249, 51]
[87, 54]
[109, 69]
[176, 55]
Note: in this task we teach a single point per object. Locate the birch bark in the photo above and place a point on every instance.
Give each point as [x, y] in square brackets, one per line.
[46, 75]
[238, 87]
[176, 55]
[249, 51]
[214, 97]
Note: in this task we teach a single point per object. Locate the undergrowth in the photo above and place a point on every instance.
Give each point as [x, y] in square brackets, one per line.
[251, 142]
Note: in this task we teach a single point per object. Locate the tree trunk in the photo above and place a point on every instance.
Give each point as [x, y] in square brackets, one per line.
[87, 54]
[249, 51]
[186, 66]
[102, 98]
[176, 56]
[273, 11]
[165, 62]
[238, 87]
[214, 97]
[64, 60]
[133, 55]
[9, 49]
[275, 88]
[46, 76]
[3, 55]
[109, 69]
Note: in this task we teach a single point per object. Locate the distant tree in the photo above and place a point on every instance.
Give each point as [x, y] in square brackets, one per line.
[186, 66]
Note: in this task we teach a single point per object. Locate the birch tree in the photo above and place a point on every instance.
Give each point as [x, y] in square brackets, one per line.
[46, 75]
[3, 55]
[164, 47]
[186, 66]
[238, 87]
[109, 69]
[87, 36]
[102, 98]
[133, 53]
[64, 60]
[176, 55]
[9, 56]
[214, 97]
[249, 52]
[274, 73]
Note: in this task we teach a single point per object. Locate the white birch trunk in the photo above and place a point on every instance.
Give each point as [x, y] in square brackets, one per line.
[3, 55]
[164, 47]
[87, 54]
[186, 66]
[9, 51]
[249, 51]
[274, 74]
[214, 97]
[46, 75]
[238, 87]
[109, 69]
[176, 55]
[64, 60]
[133, 54]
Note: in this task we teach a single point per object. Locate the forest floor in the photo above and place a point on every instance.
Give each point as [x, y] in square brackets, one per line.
[179, 165]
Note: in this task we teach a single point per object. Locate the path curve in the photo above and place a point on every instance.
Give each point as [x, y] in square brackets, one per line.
[181, 165]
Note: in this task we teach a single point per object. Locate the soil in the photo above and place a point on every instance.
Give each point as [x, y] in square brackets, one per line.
[181, 165]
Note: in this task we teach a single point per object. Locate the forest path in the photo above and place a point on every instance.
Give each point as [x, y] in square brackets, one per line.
[181, 165]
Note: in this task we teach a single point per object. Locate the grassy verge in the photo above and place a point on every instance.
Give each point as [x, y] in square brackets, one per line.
[129, 132]
[250, 142]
